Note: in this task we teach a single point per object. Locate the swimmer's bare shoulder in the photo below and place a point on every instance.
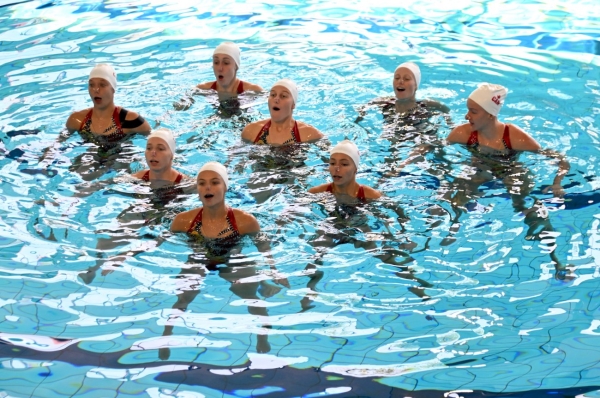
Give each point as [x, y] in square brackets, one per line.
[183, 221]
[435, 106]
[204, 86]
[308, 133]
[460, 134]
[253, 87]
[318, 188]
[251, 130]
[139, 174]
[521, 140]
[371, 193]
[246, 222]
[76, 119]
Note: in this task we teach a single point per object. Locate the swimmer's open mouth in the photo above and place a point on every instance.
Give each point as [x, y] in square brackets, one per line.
[97, 98]
[400, 89]
[220, 77]
[276, 108]
[154, 161]
[208, 196]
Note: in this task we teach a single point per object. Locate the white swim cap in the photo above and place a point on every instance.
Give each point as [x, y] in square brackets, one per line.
[291, 86]
[490, 97]
[414, 68]
[348, 148]
[217, 168]
[166, 135]
[105, 72]
[231, 49]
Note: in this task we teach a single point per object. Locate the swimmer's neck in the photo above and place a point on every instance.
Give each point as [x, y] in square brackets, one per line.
[350, 189]
[218, 211]
[231, 88]
[405, 105]
[492, 130]
[283, 125]
[169, 174]
[104, 112]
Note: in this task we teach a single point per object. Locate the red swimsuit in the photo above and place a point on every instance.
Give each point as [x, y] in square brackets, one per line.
[264, 133]
[240, 88]
[473, 140]
[360, 195]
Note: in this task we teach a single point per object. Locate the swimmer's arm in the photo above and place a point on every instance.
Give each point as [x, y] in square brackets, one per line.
[73, 124]
[143, 128]
[188, 99]
[308, 133]
[377, 102]
[563, 169]
[248, 224]
[75, 121]
[251, 130]
[436, 106]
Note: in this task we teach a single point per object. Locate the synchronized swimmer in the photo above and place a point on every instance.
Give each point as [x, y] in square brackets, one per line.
[106, 124]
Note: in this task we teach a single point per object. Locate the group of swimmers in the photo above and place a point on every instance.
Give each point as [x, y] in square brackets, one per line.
[109, 125]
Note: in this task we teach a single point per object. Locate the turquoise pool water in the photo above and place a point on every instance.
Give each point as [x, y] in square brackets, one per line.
[498, 323]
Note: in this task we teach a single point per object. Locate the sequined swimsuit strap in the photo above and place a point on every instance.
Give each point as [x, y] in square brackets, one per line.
[296, 132]
[263, 133]
[86, 121]
[506, 138]
[473, 140]
[231, 221]
[361, 194]
[197, 223]
[117, 119]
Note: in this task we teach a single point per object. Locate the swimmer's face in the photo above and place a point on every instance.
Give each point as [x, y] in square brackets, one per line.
[158, 154]
[211, 188]
[476, 115]
[225, 69]
[405, 85]
[342, 169]
[101, 92]
[281, 103]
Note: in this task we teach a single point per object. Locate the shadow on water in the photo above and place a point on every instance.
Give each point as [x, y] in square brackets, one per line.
[285, 381]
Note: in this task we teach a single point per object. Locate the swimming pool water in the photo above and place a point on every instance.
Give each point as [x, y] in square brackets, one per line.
[498, 323]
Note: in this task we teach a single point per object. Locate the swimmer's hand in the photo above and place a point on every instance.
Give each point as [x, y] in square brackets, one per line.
[557, 190]
[112, 264]
[183, 104]
[281, 280]
[565, 274]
